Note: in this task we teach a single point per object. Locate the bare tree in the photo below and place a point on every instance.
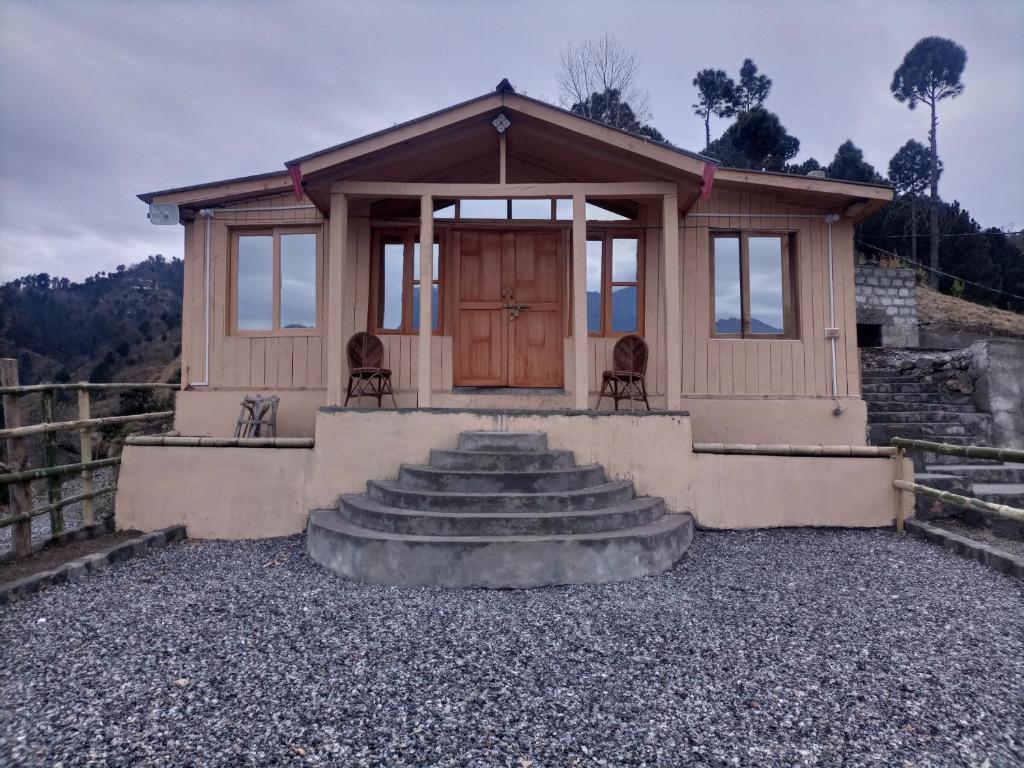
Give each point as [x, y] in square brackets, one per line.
[598, 67]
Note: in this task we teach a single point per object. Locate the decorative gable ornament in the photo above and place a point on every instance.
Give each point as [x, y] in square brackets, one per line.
[501, 123]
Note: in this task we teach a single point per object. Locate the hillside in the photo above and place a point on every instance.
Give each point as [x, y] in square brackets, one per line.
[938, 310]
[121, 326]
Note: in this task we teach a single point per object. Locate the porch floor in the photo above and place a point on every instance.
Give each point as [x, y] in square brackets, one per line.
[789, 647]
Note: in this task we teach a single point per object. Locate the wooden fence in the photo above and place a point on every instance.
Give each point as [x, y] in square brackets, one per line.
[967, 451]
[18, 477]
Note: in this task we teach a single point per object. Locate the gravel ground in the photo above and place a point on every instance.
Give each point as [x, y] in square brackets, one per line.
[72, 486]
[792, 647]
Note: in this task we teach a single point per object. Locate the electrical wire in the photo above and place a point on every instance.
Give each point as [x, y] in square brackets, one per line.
[924, 235]
[939, 271]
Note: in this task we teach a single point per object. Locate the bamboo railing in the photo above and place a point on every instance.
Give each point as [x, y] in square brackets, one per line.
[967, 451]
[19, 477]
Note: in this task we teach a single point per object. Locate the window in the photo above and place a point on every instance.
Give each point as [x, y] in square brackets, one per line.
[614, 285]
[275, 281]
[753, 285]
[396, 285]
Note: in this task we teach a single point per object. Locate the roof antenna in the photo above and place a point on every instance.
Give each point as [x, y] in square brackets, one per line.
[505, 86]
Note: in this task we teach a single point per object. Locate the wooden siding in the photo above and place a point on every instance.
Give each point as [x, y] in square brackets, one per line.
[710, 367]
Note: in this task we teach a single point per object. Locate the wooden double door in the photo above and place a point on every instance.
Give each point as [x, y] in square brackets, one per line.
[509, 308]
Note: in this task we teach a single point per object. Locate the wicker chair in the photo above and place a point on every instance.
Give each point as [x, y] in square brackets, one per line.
[626, 379]
[365, 374]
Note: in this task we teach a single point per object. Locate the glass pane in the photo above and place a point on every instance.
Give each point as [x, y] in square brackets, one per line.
[563, 209]
[624, 259]
[389, 315]
[448, 212]
[483, 209]
[624, 309]
[434, 311]
[766, 315]
[728, 303]
[416, 261]
[597, 213]
[255, 283]
[531, 209]
[298, 281]
[595, 249]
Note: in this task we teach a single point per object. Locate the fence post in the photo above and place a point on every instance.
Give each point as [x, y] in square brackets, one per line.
[54, 483]
[85, 443]
[17, 459]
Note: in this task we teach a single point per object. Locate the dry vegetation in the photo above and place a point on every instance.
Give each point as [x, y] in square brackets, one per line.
[937, 310]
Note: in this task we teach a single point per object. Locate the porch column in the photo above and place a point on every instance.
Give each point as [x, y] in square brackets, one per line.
[426, 299]
[580, 386]
[673, 318]
[335, 280]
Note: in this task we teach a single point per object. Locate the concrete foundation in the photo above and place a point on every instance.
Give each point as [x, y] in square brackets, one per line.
[999, 364]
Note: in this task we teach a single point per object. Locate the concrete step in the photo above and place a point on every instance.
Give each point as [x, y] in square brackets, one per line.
[929, 459]
[1010, 494]
[369, 513]
[507, 461]
[595, 497]
[982, 420]
[897, 397]
[879, 406]
[902, 388]
[427, 478]
[380, 557]
[503, 441]
[983, 473]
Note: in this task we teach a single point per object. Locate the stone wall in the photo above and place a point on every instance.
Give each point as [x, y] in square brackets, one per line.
[999, 365]
[885, 297]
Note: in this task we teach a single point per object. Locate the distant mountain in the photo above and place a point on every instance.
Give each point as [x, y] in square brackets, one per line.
[733, 325]
[623, 308]
[117, 326]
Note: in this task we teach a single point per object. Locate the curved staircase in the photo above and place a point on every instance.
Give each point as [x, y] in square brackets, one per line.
[502, 510]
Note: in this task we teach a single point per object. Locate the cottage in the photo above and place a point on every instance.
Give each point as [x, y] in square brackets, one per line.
[551, 238]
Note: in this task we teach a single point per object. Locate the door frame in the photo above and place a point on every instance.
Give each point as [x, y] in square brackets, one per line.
[507, 235]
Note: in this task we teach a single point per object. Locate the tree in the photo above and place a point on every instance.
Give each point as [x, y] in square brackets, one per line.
[608, 108]
[804, 168]
[752, 89]
[716, 93]
[909, 174]
[849, 164]
[598, 67]
[931, 72]
[756, 140]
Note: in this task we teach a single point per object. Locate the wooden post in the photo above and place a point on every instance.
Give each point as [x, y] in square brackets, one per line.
[85, 444]
[336, 277]
[17, 460]
[53, 483]
[903, 498]
[580, 386]
[673, 318]
[426, 299]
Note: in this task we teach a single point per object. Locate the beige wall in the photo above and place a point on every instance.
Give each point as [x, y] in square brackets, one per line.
[782, 390]
[214, 413]
[253, 492]
[218, 493]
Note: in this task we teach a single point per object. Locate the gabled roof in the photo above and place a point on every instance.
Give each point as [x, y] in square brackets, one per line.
[667, 160]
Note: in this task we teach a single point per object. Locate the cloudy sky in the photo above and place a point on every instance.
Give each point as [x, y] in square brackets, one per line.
[102, 100]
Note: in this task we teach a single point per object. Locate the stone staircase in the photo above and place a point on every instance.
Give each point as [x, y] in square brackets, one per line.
[908, 406]
[502, 510]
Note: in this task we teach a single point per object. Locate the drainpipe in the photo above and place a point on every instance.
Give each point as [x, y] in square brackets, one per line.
[832, 331]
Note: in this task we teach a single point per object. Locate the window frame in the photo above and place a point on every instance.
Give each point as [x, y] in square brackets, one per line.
[409, 236]
[275, 232]
[790, 320]
[606, 237]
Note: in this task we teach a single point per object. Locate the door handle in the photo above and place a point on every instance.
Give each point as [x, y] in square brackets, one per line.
[514, 310]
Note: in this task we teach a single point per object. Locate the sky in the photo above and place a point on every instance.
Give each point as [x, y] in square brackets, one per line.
[100, 101]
